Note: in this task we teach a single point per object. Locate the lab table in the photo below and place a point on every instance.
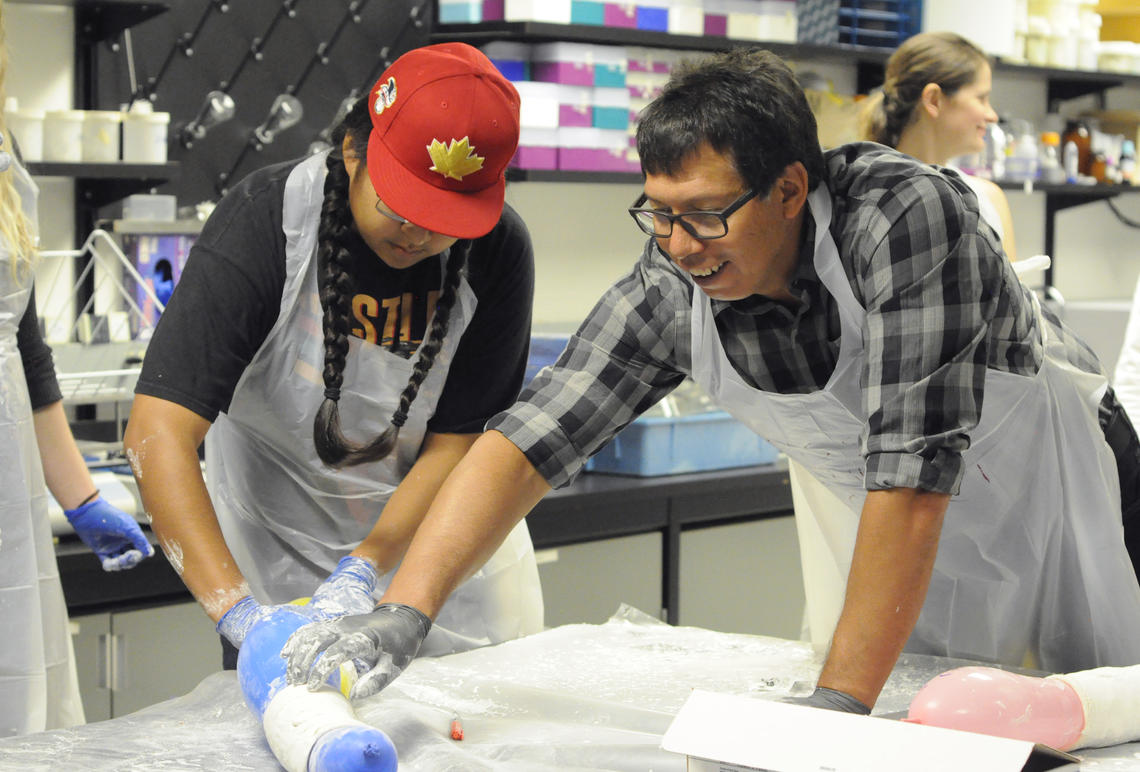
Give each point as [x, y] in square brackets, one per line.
[574, 697]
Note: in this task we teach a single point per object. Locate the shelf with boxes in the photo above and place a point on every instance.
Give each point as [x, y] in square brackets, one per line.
[570, 78]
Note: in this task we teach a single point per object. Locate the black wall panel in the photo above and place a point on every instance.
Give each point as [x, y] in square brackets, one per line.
[319, 51]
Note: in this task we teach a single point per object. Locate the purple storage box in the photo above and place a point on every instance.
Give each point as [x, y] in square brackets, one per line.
[493, 10]
[716, 24]
[621, 15]
[569, 73]
[535, 157]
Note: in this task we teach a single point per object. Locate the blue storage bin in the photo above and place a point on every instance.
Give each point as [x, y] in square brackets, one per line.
[652, 18]
[658, 445]
[879, 23]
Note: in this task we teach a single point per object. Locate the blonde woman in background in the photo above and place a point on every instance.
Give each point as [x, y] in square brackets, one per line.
[38, 685]
[935, 106]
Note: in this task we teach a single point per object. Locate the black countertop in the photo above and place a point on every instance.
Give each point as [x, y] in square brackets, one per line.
[595, 506]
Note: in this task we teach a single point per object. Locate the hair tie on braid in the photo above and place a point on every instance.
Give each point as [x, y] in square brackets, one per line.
[399, 418]
[332, 393]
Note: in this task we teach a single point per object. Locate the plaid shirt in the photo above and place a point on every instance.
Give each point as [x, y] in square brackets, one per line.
[942, 305]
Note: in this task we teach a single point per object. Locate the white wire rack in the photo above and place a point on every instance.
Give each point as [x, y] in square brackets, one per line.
[97, 354]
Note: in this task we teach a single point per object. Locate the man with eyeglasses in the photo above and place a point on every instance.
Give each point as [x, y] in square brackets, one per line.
[955, 494]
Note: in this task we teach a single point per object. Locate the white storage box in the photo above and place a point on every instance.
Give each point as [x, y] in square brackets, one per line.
[554, 11]
[538, 104]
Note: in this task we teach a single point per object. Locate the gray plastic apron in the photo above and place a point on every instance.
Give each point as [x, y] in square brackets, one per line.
[38, 685]
[1030, 558]
[287, 517]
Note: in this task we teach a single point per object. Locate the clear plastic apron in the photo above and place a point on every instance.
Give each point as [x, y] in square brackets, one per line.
[38, 685]
[1030, 558]
[287, 517]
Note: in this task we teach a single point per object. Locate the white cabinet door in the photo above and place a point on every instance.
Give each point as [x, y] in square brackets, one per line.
[165, 652]
[743, 578]
[129, 660]
[588, 582]
[91, 636]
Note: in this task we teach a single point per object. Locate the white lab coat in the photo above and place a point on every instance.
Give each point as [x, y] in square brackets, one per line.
[1030, 558]
[287, 517]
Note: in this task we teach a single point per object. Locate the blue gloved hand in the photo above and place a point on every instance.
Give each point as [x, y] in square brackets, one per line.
[381, 643]
[111, 533]
[236, 623]
[831, 699]
[348, 590]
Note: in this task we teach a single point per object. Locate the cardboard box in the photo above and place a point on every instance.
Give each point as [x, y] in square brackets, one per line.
[727, 733]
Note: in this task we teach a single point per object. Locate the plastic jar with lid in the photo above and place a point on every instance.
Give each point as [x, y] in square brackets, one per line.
[1037, 32]
[101, 136]
[1088, 40]
[1063, 46]
[1117, 56]
[144, 134]
[26, 125]
[63, 136]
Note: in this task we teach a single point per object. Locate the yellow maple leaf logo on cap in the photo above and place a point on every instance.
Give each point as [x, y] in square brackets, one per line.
[455, 159]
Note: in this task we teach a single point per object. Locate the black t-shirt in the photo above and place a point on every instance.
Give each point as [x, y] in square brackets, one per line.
[35, 354]
[229, 296]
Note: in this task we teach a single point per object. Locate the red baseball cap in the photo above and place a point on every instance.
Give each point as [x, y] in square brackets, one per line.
[445, 124]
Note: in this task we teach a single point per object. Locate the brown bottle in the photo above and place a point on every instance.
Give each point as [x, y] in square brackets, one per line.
[1078, 132]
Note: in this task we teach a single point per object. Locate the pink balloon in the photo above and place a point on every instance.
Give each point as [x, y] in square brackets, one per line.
[995, 702]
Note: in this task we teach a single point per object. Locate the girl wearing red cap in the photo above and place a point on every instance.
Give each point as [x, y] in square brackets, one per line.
[344, 327]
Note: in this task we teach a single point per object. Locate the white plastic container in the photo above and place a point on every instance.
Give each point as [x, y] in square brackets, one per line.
[101, 136]
[26, 125]
[1037, 38]
[1118, 56]
[1063, 46]
[63, 136]
[144, 135]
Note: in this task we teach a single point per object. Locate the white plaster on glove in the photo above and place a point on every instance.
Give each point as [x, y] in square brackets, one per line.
[236, 623]
[347, 591]
[385, 641]
[111, 533]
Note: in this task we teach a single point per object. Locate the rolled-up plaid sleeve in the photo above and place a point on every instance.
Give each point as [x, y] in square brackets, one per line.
[623, 359]
[930, 287]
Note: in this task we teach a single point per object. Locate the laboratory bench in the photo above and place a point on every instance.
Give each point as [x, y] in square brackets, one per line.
[602, 541]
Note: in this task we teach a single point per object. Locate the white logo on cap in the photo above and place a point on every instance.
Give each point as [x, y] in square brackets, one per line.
[385, 96]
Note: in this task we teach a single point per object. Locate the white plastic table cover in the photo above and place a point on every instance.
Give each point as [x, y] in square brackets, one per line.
[576, 697]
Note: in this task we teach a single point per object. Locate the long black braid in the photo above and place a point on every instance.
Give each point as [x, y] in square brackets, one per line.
[336, 288]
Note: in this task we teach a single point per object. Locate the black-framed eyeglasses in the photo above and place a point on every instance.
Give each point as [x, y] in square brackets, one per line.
[701, 225]
[383, 209]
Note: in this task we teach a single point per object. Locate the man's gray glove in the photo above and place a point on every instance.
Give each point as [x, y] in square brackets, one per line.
[383, 642]
[830, 699]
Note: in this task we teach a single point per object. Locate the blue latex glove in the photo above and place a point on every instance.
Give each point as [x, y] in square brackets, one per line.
[111, 533]
[831, 699]
[348, 590]
[236, 623]
[381, 643]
